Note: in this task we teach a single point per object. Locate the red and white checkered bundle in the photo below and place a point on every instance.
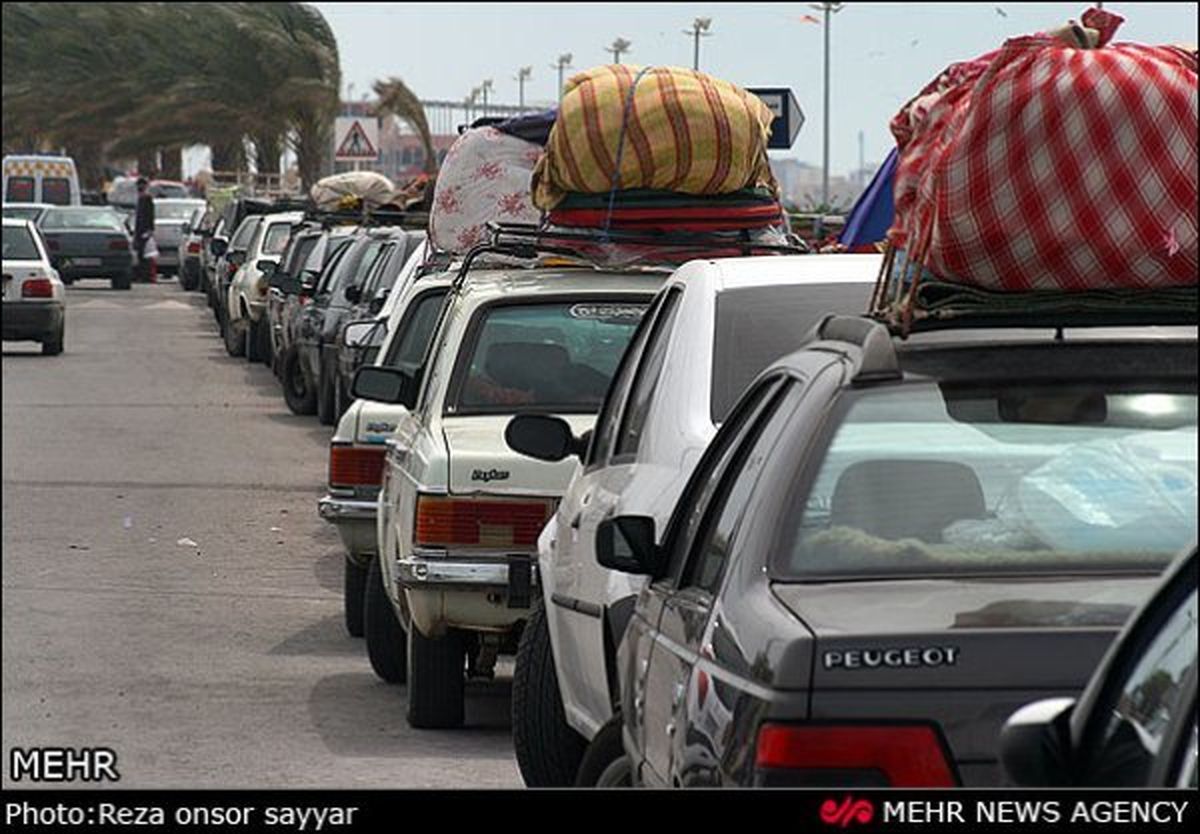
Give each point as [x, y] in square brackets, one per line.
[1044, 166]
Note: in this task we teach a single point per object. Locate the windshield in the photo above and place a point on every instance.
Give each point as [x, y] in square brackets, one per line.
[553, 357]
[923, 479]
[19, 244]
[82, 218]
[173, 211]
[22, 212]
[167, 189]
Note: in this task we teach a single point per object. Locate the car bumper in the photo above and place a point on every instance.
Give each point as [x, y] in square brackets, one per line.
[416, 572]
[107, 268]
[31, 319]
[336, 510]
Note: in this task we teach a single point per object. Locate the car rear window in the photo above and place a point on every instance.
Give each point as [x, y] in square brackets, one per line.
[56, 190]
[276, 238]
[927, 479]
[19, 189]
[19, 244]
[757, 325]
[82, 218]
[22, 212]
[173, 211]
[554, 357]
[168, 189]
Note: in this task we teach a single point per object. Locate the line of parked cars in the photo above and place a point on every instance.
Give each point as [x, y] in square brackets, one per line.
[732, 531]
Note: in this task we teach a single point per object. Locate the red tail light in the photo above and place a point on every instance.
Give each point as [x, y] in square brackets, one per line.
[480, 522]
[355, 465]
[193, 247]
[118, 243]
[908, 756]
[37, 288]
[230, 269]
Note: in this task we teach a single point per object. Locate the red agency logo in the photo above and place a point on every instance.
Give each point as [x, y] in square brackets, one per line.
[849, 810]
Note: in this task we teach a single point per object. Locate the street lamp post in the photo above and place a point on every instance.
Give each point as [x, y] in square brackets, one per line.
[618, 47]
[485, 87]
[561, 65]
[829, 9]
[699, 30]
[522, 76]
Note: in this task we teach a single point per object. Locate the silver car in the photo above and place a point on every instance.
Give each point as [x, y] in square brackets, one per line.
[170, 215]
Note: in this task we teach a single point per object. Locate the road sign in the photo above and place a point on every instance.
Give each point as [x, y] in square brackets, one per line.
[356, 139]
[788, 115]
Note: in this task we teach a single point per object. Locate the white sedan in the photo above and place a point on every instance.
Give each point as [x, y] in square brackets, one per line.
[34, 295]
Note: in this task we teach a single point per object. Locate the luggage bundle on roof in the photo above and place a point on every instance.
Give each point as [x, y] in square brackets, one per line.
[1058, 172]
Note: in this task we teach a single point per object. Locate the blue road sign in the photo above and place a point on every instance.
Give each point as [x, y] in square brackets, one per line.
[788, 115]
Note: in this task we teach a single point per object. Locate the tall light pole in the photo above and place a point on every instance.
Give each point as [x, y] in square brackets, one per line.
[485, 87]
[699, 30]
[830, 10]
[561, 65]
[618, 47]
[522, 76]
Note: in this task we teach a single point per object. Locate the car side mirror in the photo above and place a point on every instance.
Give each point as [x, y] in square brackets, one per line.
[385, 385]
[626, 543]
[1035, 744]
[543, 437]
[360, 333]
[377, 302]
[218, 246]
[288, 285]
[266, 267]
[275, 282]
[185, 228]
[353, 294]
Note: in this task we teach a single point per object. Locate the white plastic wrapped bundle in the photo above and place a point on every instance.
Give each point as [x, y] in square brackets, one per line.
[484, 178]
[352, 190]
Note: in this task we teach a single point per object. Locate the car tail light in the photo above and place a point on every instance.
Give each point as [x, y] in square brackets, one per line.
[118, 243]
[193, 247]
[353, 466]
[37, 288]
[443, 521]
[905, 756]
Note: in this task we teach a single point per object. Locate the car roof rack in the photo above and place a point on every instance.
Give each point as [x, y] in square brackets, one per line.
[875, 360]
[412, 220]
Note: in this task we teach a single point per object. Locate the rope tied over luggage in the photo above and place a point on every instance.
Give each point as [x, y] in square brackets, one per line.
[616, 177]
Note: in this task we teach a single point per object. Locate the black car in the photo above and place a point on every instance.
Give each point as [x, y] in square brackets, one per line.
[1135, 724]
[297, 293]
[892, 544]
[299, 248]
[372, 295]
[88, 242]
[320, 320]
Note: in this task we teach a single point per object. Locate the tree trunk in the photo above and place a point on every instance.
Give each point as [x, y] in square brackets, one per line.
[172, 162]
[89, 162]
[147, 163]
[227, 156]
[314, 150]
[268, 148]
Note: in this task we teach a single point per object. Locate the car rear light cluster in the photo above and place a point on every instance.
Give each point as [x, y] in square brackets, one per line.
[118, 244]
[447, 522]
[354, 466]
[37, 288]
[193, 247]
[823, 755]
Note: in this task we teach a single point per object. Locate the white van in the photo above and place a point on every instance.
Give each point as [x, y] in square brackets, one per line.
[41, 179]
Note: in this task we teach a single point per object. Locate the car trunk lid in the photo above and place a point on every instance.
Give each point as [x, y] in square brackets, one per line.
[481, 461]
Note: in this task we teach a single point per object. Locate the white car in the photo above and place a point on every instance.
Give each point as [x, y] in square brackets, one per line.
[715, 325]
[170, 215]
[34, 306]
[459, 512]
[247, 299]
[356, 451]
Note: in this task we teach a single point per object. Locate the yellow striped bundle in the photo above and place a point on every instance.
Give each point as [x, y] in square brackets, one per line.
[681, 131]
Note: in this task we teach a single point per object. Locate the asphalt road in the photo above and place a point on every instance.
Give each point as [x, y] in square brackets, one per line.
[222, 663]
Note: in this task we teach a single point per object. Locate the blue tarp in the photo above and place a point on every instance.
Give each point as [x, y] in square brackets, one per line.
[871, 216]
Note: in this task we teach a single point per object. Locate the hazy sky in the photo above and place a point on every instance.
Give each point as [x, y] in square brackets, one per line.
[882, 53]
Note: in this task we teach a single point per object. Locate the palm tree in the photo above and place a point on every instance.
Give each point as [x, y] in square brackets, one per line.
[396, 99]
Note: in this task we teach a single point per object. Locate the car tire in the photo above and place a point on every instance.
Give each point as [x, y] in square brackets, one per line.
[354, 591]
[122, 281]
[297, 392]
[605, 763]
[387, 644]
[254, 342]
[325, 403]
[188, 281]
[436, 680]
[235, 344]
[53, 345]
[548, 749]
[340, 403]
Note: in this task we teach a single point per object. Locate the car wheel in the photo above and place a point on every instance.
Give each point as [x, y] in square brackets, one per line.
[387, 645]
[187, 281]
[254, 351]
[235, 342]
[122, 281]
[436, 680]
[299, 395]
[548, 750]
[339, 397]
[325, 404]
[605, 763]
[53, 345]
[354, 589]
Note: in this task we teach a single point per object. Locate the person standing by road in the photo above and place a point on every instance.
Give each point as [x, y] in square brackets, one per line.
[143, 226]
